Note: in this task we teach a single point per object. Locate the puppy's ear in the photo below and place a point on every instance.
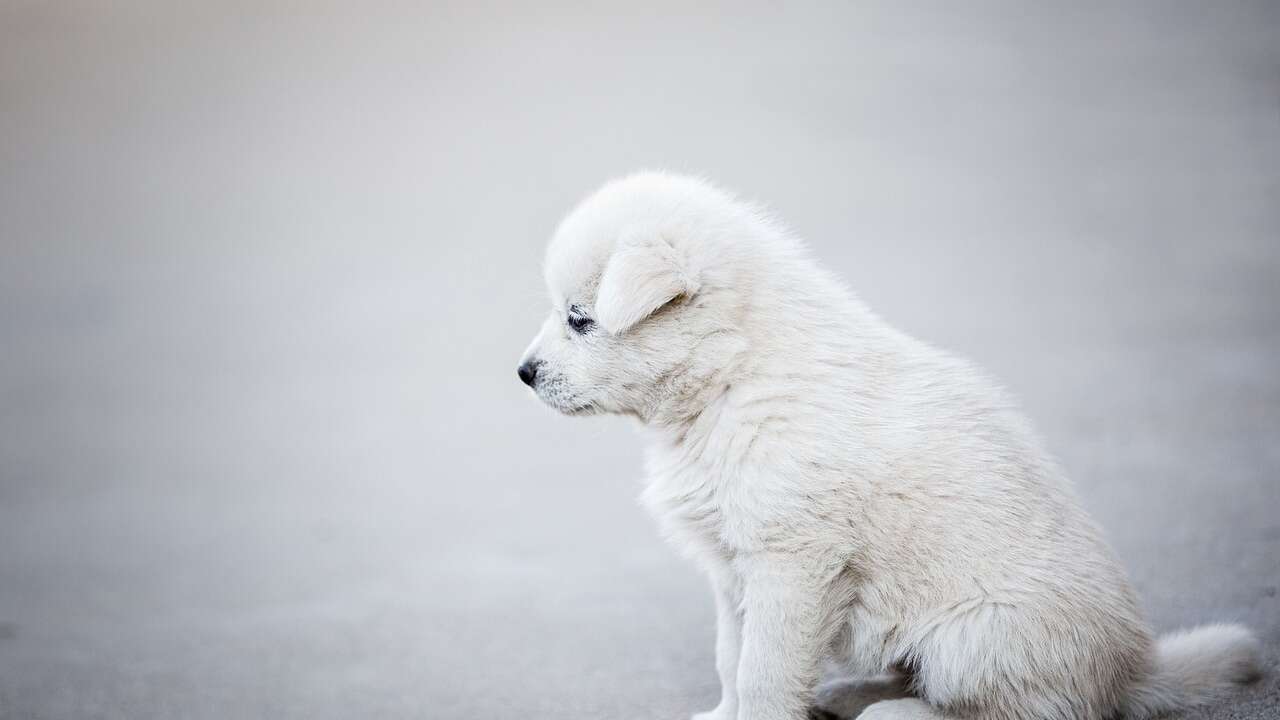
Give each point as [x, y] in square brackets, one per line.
[643, 274]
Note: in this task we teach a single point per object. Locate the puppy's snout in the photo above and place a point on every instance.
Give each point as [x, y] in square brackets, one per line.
[528, 371]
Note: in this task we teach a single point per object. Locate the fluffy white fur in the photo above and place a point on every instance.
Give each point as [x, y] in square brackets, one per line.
[857, 497]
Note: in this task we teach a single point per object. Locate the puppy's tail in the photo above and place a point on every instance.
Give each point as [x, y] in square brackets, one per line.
[1195, 666]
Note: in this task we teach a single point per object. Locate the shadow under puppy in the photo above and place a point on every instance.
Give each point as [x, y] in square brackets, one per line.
[857, 497]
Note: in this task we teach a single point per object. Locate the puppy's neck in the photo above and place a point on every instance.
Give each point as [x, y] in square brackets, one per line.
[686, 400]
[781, 372]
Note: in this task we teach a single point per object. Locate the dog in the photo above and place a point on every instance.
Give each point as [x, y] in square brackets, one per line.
[868, 509]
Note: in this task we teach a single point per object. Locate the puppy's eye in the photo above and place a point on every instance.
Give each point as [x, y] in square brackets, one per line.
[581, 324]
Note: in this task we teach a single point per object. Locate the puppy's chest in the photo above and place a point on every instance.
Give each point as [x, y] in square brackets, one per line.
[687, 508]
[701, 508]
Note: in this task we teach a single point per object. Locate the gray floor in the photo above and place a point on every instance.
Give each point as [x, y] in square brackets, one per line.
[265, 273]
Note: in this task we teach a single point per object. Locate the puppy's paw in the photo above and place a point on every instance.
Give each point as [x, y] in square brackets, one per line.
[719, 713]
[904, 709]
[847, 697]
[840, 698]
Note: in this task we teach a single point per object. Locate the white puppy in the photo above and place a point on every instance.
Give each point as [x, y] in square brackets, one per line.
[852, 492]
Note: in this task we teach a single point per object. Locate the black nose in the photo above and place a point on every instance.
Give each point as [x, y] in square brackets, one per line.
[528, 372]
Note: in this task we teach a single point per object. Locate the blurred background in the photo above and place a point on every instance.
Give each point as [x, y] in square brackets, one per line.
[266, 270]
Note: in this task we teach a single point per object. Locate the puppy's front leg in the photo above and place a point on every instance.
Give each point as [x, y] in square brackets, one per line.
[781, 641]
[728, 641]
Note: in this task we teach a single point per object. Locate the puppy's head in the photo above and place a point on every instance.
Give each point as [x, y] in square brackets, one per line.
[637, 322]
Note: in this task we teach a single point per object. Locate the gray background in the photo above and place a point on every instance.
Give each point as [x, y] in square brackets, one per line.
[266, 270]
